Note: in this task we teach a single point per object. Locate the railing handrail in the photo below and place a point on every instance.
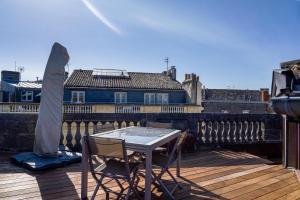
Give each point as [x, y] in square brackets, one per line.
[103, 108]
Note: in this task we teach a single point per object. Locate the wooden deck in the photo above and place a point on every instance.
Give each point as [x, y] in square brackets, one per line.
[205, 175]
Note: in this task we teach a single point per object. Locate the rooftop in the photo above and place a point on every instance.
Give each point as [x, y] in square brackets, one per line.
[27, 84]
[134, 80]
[205, 175]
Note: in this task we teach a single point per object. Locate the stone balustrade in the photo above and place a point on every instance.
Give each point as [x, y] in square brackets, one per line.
[203, 128]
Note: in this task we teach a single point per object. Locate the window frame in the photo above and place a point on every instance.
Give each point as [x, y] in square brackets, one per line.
[78, 94]
[26, 93]
[162, 99]
[120, 93]
[149, 94]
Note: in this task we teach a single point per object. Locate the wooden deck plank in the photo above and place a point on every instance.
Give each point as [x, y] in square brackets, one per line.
[205, 175]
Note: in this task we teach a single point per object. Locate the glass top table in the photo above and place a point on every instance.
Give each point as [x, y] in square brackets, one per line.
[138, 135]
[139, 139]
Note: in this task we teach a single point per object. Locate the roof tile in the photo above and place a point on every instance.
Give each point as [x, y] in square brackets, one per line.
[136, 80]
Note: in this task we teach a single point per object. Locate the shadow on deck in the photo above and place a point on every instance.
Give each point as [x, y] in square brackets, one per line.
[205, 175]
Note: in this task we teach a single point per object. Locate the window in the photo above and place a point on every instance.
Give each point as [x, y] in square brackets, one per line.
[162, 98]
[26, 95]
[78, 97]
[120, 97]
[149, 98]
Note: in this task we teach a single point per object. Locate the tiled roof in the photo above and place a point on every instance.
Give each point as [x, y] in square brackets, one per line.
[135, 80]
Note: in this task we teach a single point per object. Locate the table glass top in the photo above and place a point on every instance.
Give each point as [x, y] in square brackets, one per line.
[136, 135]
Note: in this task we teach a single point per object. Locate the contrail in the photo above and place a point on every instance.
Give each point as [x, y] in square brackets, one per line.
[101, 17]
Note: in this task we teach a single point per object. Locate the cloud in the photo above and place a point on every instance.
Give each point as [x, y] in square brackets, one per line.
[101, 17]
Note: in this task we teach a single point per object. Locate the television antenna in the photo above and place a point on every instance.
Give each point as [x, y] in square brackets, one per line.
[167, 61]
[21, 69]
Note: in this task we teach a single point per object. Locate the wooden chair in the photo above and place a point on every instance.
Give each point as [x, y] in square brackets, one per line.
[116, 166]
[110, 127]
[164, 162]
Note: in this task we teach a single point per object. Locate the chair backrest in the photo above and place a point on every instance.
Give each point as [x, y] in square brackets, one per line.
[178, 144]
[159, 125]
[106, 147]
[181, 139]
[103, 128]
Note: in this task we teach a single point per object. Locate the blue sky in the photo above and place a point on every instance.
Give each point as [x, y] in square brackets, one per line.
[228, 43]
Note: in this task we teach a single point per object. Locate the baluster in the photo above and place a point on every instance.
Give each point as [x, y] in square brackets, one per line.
[239, 132]
[252, 138]
[75, 128]
[246, 131]
[64, 132]
[263, 131]
[116, 125]
[227, 132]
[258, 131]
[209, 128]
[79, 133]
[234, 131]
[123, 124]
[222, 132]
[69, 136]
[215, 132]
[204, 131]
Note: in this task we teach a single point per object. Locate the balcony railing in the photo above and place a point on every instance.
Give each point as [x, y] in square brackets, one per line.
[102, 108]
[205, 129]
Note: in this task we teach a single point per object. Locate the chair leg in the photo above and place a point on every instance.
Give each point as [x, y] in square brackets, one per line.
[165, 189]
[96, 190]
[174, 179]
[128, 193]
[107, 195]
[134, 185]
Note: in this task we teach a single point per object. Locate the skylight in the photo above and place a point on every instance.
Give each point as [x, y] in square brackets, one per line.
[110, 72]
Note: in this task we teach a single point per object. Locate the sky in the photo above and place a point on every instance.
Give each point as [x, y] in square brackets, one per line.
[228, 43]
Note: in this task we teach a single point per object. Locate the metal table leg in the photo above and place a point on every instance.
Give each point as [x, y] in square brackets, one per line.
[148, 176]
[84, 170]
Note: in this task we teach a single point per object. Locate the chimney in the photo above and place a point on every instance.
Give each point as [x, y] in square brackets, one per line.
[193, 88]
[264, 93]
[10, 76]
[172, 73]
[66, 75]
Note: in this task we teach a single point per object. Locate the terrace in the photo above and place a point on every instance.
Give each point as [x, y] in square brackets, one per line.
[227, 156]
[220, 174]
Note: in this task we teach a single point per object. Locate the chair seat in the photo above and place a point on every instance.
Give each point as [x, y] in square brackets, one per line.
[114, 167]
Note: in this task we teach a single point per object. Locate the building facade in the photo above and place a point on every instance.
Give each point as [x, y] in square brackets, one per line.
[121, 87]
[235, 101]
[14, 90]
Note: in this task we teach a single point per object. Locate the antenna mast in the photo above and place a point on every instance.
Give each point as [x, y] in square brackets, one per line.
[167, 61]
